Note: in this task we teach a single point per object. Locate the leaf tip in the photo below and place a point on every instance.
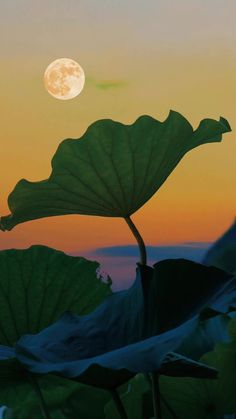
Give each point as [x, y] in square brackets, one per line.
[225, 124]
[1, 225]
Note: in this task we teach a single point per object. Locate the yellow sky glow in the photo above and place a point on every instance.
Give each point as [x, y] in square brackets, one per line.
[198, 201]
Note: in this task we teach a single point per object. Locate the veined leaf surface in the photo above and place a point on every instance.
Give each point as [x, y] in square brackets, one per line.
[112, 170]
[36, 286]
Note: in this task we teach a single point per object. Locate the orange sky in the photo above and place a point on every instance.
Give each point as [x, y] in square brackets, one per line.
[159, 57]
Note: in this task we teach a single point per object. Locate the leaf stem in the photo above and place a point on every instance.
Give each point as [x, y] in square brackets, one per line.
[172, 412]
[38, 392]
[138, 237]
[167, 405]
[156, 395]
[119, 405]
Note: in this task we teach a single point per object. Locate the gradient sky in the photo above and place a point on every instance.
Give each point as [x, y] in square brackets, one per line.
[139, 57]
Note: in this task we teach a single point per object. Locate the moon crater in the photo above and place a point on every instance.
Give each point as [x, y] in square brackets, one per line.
[64, 78]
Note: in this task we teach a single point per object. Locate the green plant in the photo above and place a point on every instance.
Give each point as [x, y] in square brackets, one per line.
[111, 171]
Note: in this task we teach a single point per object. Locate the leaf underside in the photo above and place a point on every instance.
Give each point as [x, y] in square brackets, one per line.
[112, 170]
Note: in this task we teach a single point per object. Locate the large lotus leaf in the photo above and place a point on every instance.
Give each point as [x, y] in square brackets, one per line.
[223, 252]
[6, 413]
[205, 399]
[232, 329]
[182, 289]
[124, 335]
[36, 286]
[226, 305]
[55, 414]
[112, 170]
[177, 365]
[18, 393]
[107, 370]
[133, 398]
[85, 402]
[89, 403]
[109, 318]
[205, 336]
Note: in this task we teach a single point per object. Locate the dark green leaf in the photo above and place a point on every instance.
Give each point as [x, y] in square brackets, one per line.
[223, 252]
[83, 402]
[36, 286]
[131, 331]
[88, 403]
[223, 255]
[176, 365]
[7, 413]
[205, 399]
[132, 399]
[182, 289]
[19, 394]
[232, 328]
[112, 170]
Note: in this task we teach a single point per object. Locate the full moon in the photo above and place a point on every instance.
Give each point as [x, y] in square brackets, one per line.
[64, 78]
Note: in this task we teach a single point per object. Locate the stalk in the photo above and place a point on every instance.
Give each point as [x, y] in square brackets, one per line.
[38, 392]
[119, 405]
[163, 400]
[156, 396]
[168, 407]
[138, 237]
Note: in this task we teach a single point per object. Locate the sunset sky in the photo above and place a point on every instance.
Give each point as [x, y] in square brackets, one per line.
[139, 57]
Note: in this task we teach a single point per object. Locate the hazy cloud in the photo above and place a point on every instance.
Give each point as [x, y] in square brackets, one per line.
[106, 84]
[198, 244]
[119, 262]
[193, 251]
